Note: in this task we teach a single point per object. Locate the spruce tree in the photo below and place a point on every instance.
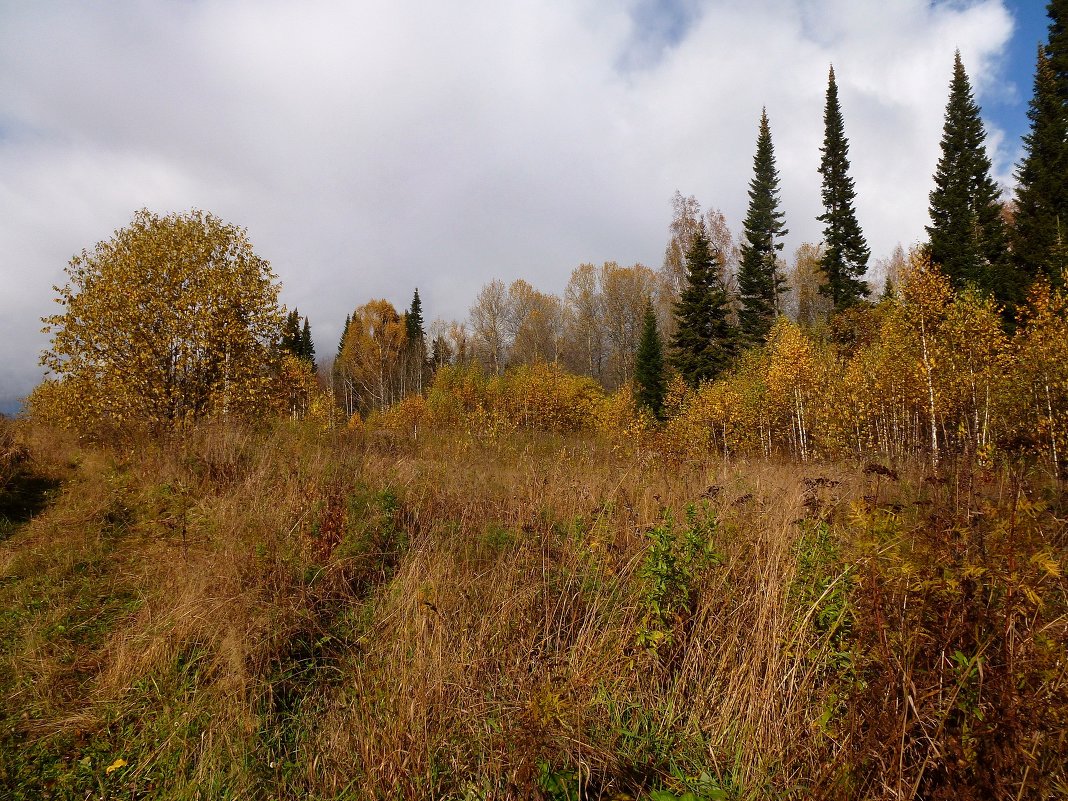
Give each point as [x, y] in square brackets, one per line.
[307, 347]
[340, 384]
[845, 255]
[759, 281]
[291, 334]
[413, 320]
[704, 341]
[1057, 49]
[888, 290]
[649, 384]
[1040, 225]
[967, 234]
[344, 333]
[413, 325]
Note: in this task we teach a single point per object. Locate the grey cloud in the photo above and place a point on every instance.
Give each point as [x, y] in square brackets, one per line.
[372, 147]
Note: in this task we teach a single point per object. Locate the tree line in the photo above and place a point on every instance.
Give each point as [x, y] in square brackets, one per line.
[712, 299]
[175, 319]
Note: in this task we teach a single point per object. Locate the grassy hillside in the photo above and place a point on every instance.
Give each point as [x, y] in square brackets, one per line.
[297, 614]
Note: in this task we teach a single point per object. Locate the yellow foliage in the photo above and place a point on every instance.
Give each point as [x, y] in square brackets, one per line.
[619, 419]
[57, 403]
[172, 320]
[536, 397]
[401, 419]
[1038, 369]
[373, 364]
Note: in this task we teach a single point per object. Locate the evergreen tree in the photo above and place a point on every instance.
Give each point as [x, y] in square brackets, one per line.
[1057, 49]
[1040, 226]
[888, 290]
[416, 338]
[649, 384]
[342, 391]
[344, 333]
[296, 340]
[845, 256]
[704, 341]
[307, 347]
[967, 234]
[291, 334]
[759, 281]
[413, 320]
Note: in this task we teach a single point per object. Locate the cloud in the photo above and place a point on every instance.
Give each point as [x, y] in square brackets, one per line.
[370, 148]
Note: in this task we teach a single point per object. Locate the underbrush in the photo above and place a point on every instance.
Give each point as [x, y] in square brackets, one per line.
[300, 614]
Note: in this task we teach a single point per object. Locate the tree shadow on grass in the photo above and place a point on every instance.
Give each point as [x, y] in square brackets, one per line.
[26, 495]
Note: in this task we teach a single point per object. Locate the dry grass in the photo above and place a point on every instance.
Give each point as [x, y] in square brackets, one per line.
[305, 615]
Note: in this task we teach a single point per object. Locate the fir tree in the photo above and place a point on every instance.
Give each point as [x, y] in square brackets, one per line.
[291, 334]
[344, 333]
[845, 256]
[296, 340]
[888, 290]
[967, 234]
[649, 384]
[340, 384]
[704, 341]
[307, 347]
[413, 320]
[1057, 49]
[1040, 226]
[416, 355]
[759, 281]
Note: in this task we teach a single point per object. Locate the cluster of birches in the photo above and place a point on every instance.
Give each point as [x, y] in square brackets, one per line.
[724, 348]
[963, 346]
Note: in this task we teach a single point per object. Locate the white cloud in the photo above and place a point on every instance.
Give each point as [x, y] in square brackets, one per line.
[372, 147]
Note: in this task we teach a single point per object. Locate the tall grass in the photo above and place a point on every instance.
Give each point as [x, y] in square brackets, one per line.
[299, 614]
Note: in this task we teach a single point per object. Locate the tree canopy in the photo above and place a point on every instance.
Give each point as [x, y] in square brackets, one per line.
[173, 319]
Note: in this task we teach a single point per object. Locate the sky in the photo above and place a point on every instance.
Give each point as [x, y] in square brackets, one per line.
[377, 146]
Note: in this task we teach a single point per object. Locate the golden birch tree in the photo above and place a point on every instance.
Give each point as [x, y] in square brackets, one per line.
[372, 361]
[172, 320]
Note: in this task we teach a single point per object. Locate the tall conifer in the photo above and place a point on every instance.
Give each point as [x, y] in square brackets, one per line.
[291, 334]
[845, 255]
[416, 346]
[413, 320]
[1057, 49]
[704, 341]
[649, 384]
[967, 234]
[307, 347]
[1040, 224]
[344, 333]
[759, 281]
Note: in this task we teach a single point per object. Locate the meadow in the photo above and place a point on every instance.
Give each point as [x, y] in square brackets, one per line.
[295, 610]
